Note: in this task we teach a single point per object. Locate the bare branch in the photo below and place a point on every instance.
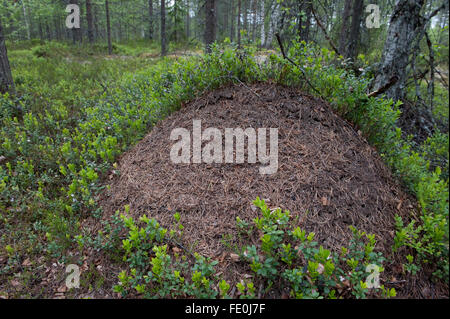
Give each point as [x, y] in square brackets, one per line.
[280, 43]
[384, 88]
[324, 31]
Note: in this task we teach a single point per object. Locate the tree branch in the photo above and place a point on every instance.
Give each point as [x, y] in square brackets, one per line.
[324, 31]
[441, 7]
[280, 43]
[384, 88]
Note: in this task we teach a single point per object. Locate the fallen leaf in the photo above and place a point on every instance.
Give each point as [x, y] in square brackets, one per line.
[234, 257]
[176, 250]
[222, 257]
[62, 289]
[85, 266]
[26, 262]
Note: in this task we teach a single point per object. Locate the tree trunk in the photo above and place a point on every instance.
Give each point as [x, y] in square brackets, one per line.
[175, 21]
[432, 71]
[57, 28]
[273, 23]
[49, 34]
[119, 27]
[163, 28]
[404, 25]
[239, 23]
[90, 21]
[150, 21]
[96, 29]
[232, 20]
[245, 15]
[67, 32]
[27, 23]
[355, 29]
[6, 79]
[210, 30]
[226, 16]
[255, 13]
[306, 23]
[300, 7]
[344, 27]
[41, 32]
[108, 27]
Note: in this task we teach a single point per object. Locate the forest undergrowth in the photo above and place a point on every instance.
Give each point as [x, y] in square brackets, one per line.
[77, 111]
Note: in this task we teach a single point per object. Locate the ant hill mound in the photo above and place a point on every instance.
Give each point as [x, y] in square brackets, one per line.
[327, 176]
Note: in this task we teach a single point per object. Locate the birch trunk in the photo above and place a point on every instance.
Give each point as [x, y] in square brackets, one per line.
[404, 26]
[275, 15]
[27, 22]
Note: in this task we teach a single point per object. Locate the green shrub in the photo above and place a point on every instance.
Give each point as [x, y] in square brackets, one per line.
[284, 258]
[292, 257]
[165, 276]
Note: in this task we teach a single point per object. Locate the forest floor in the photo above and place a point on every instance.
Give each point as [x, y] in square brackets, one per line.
[329, 178]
